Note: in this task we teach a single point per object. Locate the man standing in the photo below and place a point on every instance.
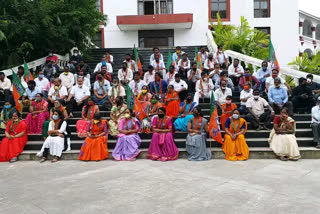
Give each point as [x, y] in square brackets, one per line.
[220, 95]
[180, 86]
[255, 106]
[149, 75]
[278, 98]
[41, 81]
[184, 65]
[315, 123]
[136, 84]
[78, 97]
[125, 75]
[302, 97]
[67, 78]
[221, 57]
[5, 85]
[262, 74]
[204, 87]
[235, 71]
[193, 76]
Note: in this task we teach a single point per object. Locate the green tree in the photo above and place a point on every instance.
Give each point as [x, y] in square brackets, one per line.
[29, 28]
[307, 64]
[242, 38]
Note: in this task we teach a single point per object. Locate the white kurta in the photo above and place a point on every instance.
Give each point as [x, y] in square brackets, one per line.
[55, 144]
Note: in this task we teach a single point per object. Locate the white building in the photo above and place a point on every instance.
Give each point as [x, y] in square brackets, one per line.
[150, 23]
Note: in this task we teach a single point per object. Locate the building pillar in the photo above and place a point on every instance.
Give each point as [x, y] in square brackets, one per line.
[314, 42]
[301, 37]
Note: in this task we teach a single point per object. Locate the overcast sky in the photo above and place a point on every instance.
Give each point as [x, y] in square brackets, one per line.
[310, 6]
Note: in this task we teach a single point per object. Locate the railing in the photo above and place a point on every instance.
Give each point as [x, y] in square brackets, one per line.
[63, 60]
[256, 63]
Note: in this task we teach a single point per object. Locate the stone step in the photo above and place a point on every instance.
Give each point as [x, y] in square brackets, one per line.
[217, 153]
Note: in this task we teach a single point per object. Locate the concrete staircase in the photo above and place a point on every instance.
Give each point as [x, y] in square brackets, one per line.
[257, 141]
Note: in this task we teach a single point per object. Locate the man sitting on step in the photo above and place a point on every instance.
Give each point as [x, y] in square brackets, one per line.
[125, 74]
[180, 86]
[235, 71]
[220, 95]
[257, 113]
[315, 123]
[184, 65]
[158, 66]
[204, 86]
[156, 52]
[302, 97]
[224, 76]
[194, 74]
[136, 84]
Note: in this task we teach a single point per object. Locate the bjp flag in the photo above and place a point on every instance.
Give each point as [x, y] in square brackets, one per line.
[134, 104]
[27, 74]
[214, 129]
[18, 90]
[137, 59]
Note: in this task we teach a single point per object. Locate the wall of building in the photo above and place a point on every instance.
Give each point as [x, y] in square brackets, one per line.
[114, 38]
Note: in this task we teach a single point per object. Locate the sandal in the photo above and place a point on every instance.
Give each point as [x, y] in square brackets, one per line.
[54, 160]
[13, 160]
[43, 159]
[283, 158]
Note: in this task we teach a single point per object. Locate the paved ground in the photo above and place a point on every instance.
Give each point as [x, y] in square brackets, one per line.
[217, 186]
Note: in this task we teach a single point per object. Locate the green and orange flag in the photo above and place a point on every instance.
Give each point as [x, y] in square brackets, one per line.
[134, 104]
[272, 56]
[197, 58]
[169, 60]
[214, 129]
[27, 74]
[17, 90]
[137, 59]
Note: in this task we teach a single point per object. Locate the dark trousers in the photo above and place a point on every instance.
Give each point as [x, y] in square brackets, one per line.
[5, 95]
[191, 86]
[183, 73]
[243, 110]
[73, 106]
[300, 104]
[235, 80]
[183, 95]
[265, 118]
[316, 132]
[286, 105]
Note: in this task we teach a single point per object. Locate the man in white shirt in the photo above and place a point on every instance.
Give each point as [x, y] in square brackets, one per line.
[209, 63]
[194, 74]
[57, 92]
[136, 84]
[125, 75]
[180, 86]
[176, 56]
[220, 95]
[215, 74]
[5, 86]
[115, 91]
[109, 57]
[262, 74]
[100, 88]
[41, 81]
[204, 87]
[67, 78]
[170, 75]
[158, 66]
[149, 75]
[86, 81]
[256, 107]
[156, 52]
[235, 71]
[245, 94]
[131, 64]
[221, 57]
[270, 81]
[184, 65]
[315, 123]
[78, 96]
[100, 64]
[30, 93]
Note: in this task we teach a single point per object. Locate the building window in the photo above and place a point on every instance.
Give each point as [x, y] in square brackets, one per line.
[221, 7]
[307, 31]
[261, 8]
[264, 29]
[150, 7]
[318, 32]
[98, 5]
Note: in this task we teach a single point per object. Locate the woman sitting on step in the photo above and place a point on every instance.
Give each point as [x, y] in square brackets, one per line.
[172, 102]
[162, 146]
[58, 139]
[227, 109]
[282, 140]
[145, 97]
[186, 109]
[15, 140]
[151, 111]
[117, 113]
[196, 139]
[95, 146]
[128, 142]
[87, 115]
[6, 114]
[235, 146]
[38, 115]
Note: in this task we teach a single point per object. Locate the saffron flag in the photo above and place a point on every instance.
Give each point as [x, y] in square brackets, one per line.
[18, 90]
[214, 129]
[197, 58]
[134, 104]
[272, 56]
[169, 60]
[137, 59]
[27, 74]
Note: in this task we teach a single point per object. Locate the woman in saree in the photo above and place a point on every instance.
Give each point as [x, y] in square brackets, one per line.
[162, 146]
[6, 114]
[196, 139]
[227, 109]
[127, 147]
[151, 111]
[15, 139]
[186, 109]
[282, 140]
[172, 102]
[58, 139]
[235, 146]
[145, 97]
[117, 113]
[95, 146]
[38, 115]
[87, 115]
[59, 105]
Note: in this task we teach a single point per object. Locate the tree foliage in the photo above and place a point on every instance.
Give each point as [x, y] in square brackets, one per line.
[307, 64]
[29, 28]
[242, 38]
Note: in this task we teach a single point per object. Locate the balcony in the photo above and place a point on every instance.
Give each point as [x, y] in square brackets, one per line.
[155, 22]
